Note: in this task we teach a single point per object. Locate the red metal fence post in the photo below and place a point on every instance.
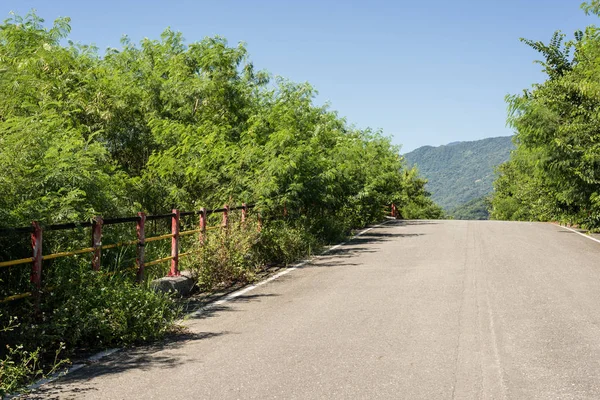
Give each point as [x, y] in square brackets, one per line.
[97, 242]
[244, 212]
[225, 216]
[175, 244]
[36, 245]
[393, 210]
[141, 246]
[202, 224]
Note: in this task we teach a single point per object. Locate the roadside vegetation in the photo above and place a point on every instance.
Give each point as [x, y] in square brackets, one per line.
[554, 173]
[151, 127]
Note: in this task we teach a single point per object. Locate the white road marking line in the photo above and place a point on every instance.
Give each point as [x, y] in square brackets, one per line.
[580, 233]
[276, 276]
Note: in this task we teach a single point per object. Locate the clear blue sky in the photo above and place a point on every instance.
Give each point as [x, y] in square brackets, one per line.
[426, 72]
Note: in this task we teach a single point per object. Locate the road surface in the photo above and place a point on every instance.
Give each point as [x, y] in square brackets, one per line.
[409, 310]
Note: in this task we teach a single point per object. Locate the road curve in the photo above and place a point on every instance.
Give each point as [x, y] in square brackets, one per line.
[409, 310]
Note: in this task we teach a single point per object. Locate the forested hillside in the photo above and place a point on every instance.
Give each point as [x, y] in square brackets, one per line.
[476, 209]
[461, 172]
[554, 174]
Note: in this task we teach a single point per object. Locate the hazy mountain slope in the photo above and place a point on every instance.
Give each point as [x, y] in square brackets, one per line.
[475, 209]
[461, 171]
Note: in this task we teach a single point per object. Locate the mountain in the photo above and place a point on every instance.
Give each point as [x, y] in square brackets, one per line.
[473, 209]
[461, 172]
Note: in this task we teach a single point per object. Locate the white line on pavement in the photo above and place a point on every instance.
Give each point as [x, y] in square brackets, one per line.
[580, 233]
[277, 275]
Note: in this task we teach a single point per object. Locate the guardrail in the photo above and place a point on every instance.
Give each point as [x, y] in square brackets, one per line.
[36, 230]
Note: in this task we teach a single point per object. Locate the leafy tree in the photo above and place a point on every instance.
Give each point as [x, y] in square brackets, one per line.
[555, 172]
[51, 168]
[165, 124]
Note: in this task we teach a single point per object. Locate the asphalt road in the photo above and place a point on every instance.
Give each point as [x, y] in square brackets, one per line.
[409, 310]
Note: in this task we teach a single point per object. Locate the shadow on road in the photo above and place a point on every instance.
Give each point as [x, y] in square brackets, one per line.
[381, 237]
[371, 238]
[203, 311]
[142, 358]
[360, 245]
[415, 222]
[161, 355]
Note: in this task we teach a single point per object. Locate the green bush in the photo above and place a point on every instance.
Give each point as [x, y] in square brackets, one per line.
[89, 311]
[19, 366]
[283, 244]
[225, 257]
[98, 311]
[235, 255]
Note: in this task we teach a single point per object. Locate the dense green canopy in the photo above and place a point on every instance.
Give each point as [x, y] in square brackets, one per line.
[164, 125]
[554, 174]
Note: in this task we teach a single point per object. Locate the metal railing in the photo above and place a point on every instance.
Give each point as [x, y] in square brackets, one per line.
[36, 231]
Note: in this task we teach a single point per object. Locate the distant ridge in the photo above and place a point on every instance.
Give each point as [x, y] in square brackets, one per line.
[461, 172]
